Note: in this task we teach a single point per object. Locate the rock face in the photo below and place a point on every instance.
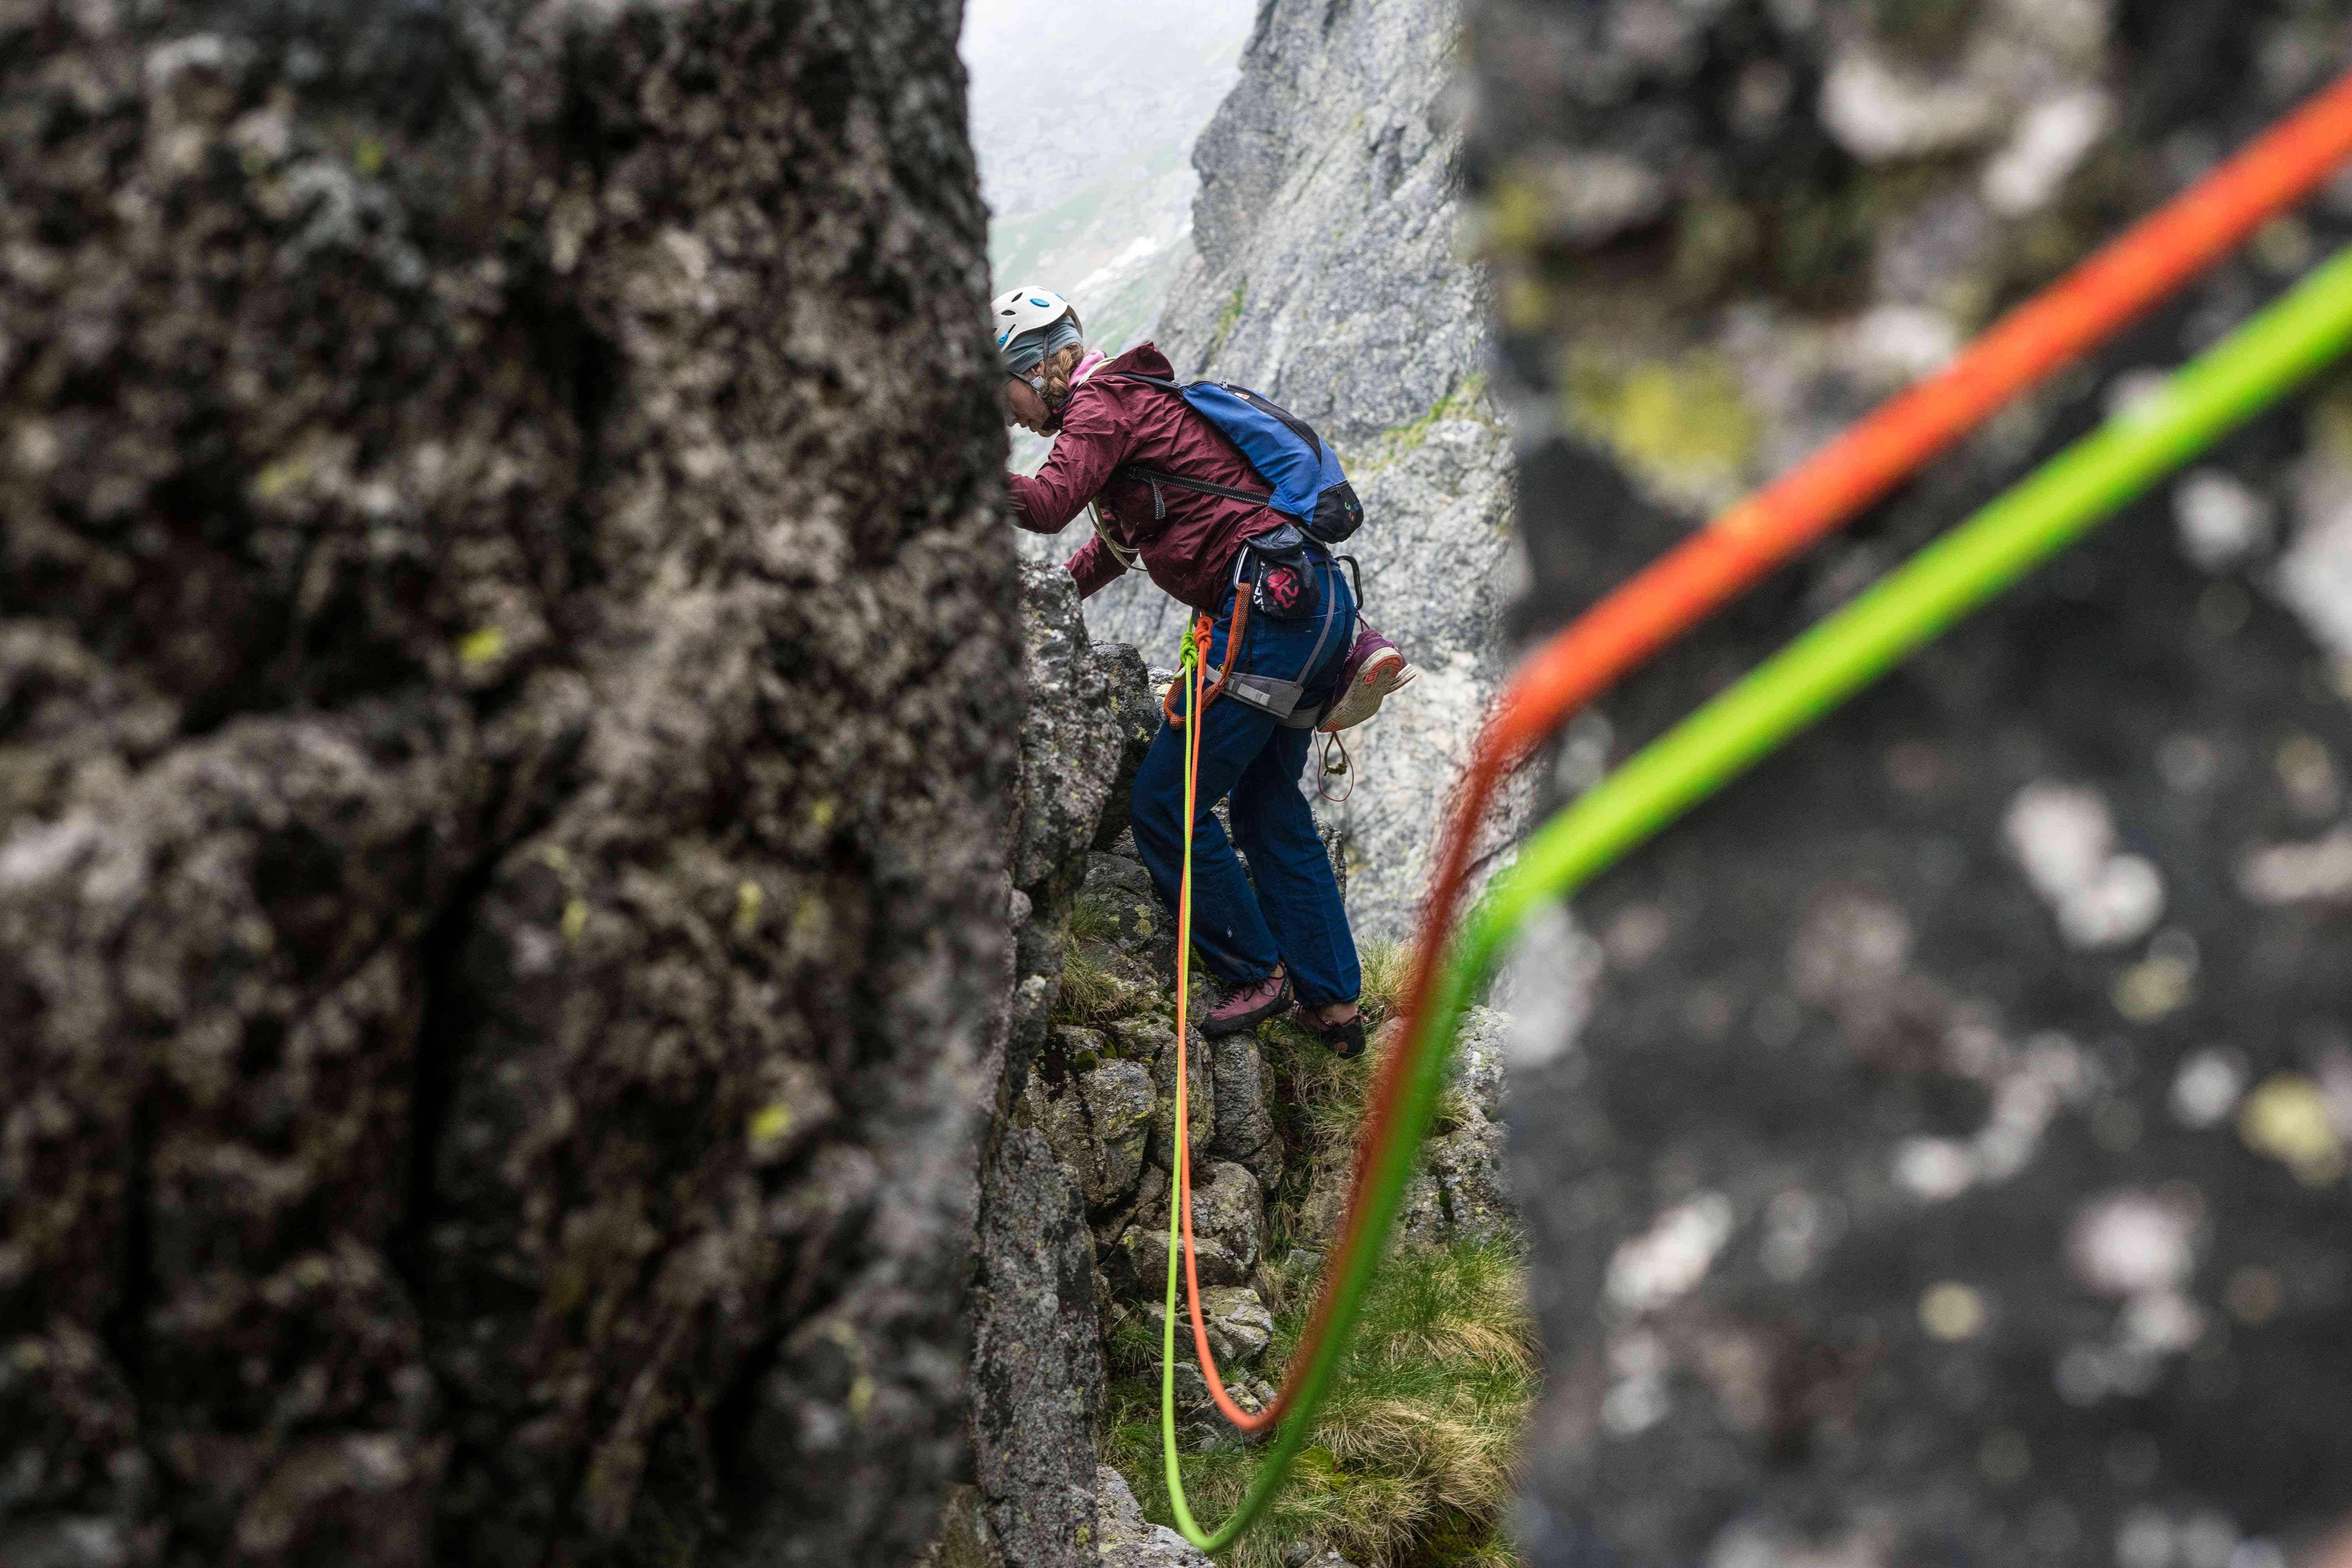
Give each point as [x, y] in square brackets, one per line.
[1938, 1141]
[1081, 1115]
[508, 699]
[1085, 1097]
[1037, 1356]
[1328, 276]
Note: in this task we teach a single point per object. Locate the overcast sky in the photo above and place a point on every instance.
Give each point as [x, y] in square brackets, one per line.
[1062, 92]
[1083, 117]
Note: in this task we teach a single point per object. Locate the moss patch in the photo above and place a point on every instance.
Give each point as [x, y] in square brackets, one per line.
[1467, 401]
[1227, 319]
[1683, 424]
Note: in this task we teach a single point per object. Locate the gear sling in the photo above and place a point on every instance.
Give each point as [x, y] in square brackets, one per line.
[1274, 574]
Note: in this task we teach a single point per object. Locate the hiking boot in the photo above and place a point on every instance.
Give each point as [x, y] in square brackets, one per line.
[1345, 1037]
[1373, 669]
[1241, 1008]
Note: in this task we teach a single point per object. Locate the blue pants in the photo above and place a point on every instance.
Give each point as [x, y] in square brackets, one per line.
[1293, 915]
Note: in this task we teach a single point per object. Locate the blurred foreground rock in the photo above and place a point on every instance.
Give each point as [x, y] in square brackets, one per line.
[508, 715]
[1938, 1142]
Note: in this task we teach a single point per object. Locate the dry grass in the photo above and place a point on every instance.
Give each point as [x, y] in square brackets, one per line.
[1415, 1458]
[1386, 965]
[1090, 993]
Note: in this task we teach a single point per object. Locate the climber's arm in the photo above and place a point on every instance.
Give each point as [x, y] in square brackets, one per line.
[1094, 566]
[1090, 445]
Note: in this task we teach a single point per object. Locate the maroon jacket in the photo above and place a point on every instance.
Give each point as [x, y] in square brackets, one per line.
[1108, 422]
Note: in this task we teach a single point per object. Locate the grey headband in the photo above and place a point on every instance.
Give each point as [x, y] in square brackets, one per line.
[1027, 351]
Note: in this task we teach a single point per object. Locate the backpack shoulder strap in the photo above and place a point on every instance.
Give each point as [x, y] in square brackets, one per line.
[1162, 382]
[1156, 478]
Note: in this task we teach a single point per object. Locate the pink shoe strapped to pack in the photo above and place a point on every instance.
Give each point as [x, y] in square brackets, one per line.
[1373, 671]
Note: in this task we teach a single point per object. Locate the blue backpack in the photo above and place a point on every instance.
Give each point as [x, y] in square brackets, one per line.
[1306, 477]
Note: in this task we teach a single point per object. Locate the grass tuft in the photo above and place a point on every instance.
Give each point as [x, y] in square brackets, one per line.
[1386, 966]
[1091, 922]
[1090, 992]
[1415, 1458]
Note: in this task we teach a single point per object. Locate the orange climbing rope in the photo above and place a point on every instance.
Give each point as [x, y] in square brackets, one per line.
[1196, 651]
[2099, 296]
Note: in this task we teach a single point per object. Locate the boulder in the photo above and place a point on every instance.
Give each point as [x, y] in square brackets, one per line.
[1117, 903]
[1228, 1206]
[1465, 1173]
[1238, 1323]
[1143, 1039]
[1141, 1256]
[1061, 1119]
[1120, 669]
[1199, 1090]
[1127, 1539]
[1239, 1326]
[1118, 1102]
[1245, 1132]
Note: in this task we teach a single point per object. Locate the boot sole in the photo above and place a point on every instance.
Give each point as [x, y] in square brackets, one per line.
[1383, 675]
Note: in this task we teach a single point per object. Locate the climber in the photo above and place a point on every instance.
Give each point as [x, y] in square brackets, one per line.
[1285, 944]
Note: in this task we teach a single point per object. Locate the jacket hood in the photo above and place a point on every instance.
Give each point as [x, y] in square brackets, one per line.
[1144, 359]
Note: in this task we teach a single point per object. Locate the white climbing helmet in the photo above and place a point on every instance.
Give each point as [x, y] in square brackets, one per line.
[1020, 311]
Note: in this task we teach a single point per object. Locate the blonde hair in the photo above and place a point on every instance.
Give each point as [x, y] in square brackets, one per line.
[1055, 370]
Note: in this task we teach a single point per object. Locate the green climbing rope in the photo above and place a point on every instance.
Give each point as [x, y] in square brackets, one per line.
[2254, 367]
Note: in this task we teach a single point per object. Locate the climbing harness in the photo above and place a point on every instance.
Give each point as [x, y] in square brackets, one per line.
[1280, 550]
[2262, 361]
